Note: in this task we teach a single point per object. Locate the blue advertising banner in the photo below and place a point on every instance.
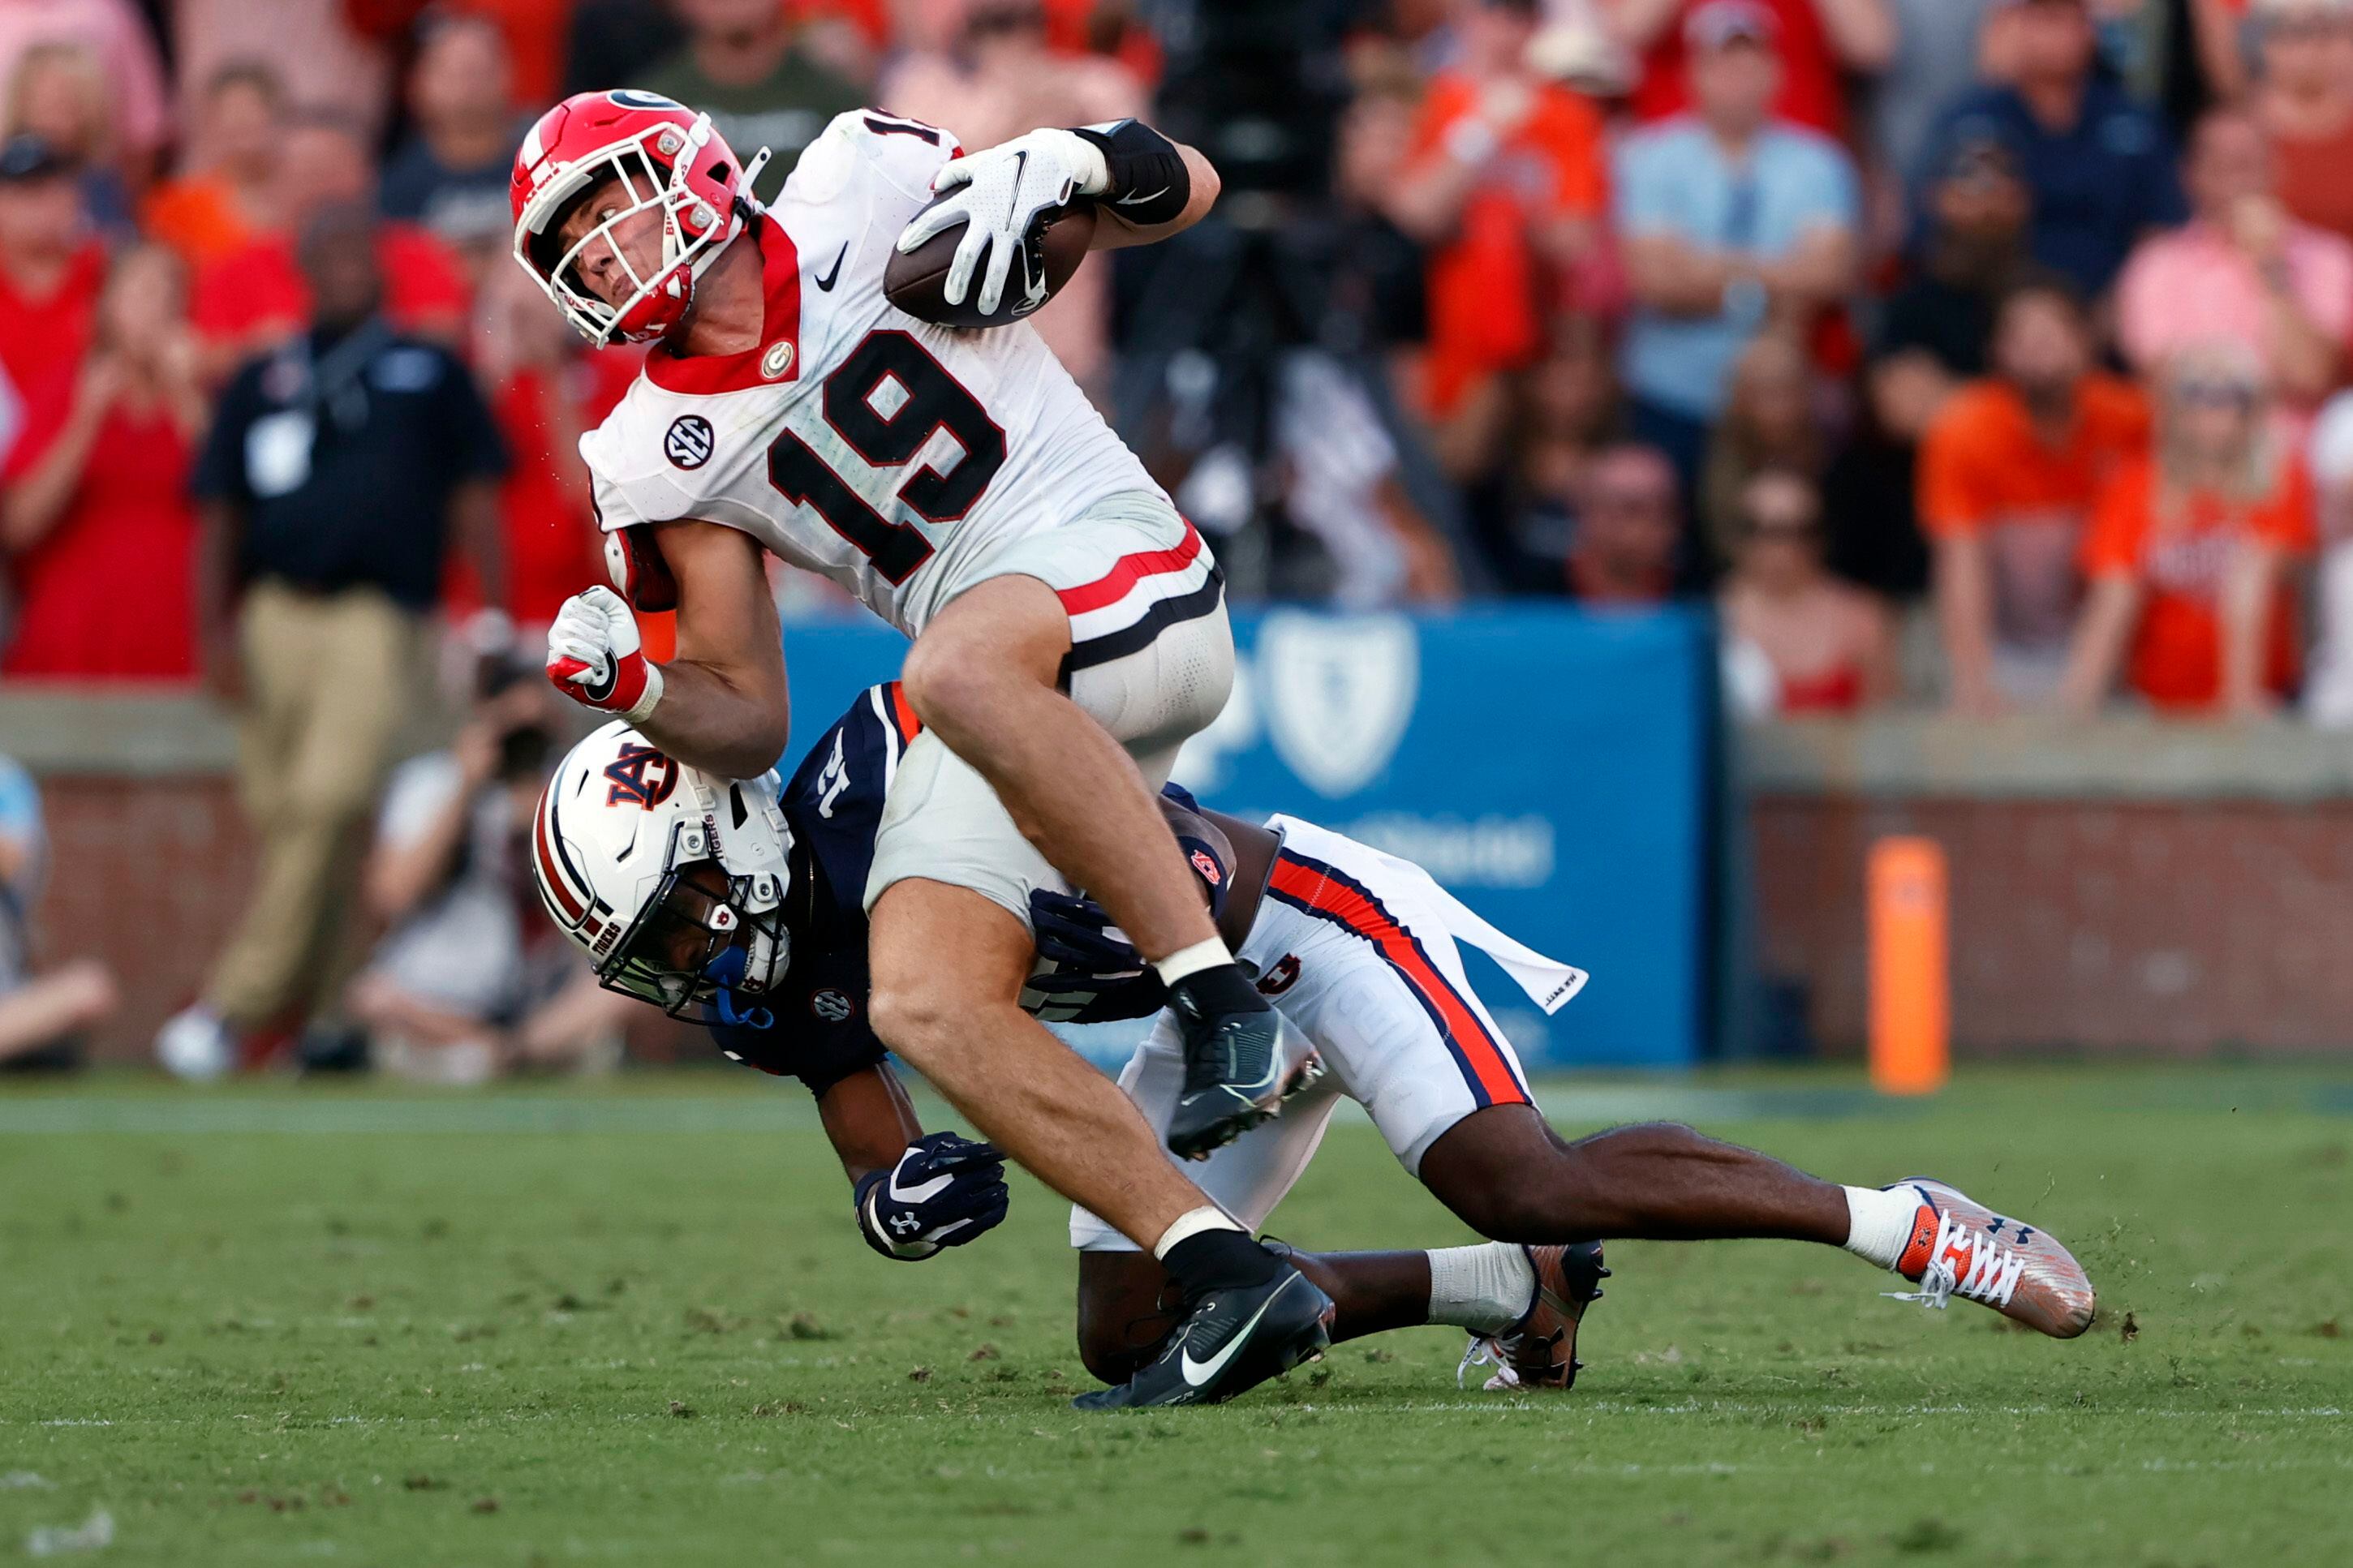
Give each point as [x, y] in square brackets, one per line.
[1549, 767]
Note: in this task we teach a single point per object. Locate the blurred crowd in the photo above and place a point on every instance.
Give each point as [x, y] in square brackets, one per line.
[1989, 353]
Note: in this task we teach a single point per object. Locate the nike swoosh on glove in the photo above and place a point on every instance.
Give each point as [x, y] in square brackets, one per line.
[1005, 188]
[595, 659]
[943, 1191]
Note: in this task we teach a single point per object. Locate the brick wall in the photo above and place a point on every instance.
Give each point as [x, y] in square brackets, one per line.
[2178, 927]
[146, 874]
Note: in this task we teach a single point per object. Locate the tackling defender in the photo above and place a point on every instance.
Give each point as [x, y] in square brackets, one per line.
[1069, 627]
[1357, 947]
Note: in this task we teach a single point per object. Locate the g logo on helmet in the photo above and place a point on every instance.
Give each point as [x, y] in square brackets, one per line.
[639, 97]
[642, 776]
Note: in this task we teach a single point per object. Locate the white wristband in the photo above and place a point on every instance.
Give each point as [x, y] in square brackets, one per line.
[643, 708]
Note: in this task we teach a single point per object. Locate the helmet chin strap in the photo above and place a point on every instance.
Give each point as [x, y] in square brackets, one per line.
[727, 972]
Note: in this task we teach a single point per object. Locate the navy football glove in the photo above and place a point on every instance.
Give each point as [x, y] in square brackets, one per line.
[945, 1191]
[1077, 936]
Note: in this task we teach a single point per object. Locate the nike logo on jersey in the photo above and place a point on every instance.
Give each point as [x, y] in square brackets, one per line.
[1198, 1373]
[1139, 200]
[827, 282]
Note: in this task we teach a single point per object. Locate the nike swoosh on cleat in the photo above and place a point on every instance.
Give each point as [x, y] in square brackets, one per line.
[1138, 201]
[827, 282]
[1198, 1373]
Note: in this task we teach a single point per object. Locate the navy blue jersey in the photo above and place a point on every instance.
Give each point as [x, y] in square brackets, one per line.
[818, 1030]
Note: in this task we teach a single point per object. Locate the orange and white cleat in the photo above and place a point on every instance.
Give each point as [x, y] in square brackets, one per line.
[1540, 1350]
[1960, 1248]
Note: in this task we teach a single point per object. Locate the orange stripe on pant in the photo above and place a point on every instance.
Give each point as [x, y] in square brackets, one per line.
[903, 716]
[1322, 890]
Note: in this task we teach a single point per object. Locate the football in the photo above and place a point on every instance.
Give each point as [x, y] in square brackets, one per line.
[915, 280]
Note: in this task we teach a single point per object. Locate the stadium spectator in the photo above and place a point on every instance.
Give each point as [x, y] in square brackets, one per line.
[741, 64]
[1732, 221]
[117, 38]
[253, 299]
[2242, 270]
[40, 1015]
[50, 273]
[470, 978]
[1823, 41]
[2328, 682]
[1565, 417]
[2303, 97]
[2008, 471]
[326, 63]
[1625, 551]
[1933, 334]
[94, 514]
[1504, 182]
[338, 468]
[2100, 166]
[610, 41]
[2189, 550]
[545, 392]
[1771, 420]
[1797, 639]
[1939, 323]
[227, 194]
[450, 177]
[1001, 80]
[1935, 59]
[531, 34]
[59, 93]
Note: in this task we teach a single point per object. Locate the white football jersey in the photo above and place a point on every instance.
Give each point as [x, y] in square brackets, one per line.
[891, 455]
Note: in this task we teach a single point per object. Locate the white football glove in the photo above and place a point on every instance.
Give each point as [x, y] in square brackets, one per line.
[1005, 188]
[595, 659]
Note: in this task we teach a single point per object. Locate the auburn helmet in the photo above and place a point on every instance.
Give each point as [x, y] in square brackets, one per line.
[672, 879]
[667, 161]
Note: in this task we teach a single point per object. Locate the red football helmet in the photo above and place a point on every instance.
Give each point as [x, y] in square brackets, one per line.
[666, 157]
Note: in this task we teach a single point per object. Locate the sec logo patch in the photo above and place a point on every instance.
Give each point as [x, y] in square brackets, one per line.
[690, 443]
[831, 1006]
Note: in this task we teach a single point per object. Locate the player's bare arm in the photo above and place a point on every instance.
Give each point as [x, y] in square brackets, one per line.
[915, 1192]
[724, 707]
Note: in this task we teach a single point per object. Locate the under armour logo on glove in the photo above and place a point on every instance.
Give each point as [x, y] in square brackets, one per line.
[943, 1191]
[595, 659]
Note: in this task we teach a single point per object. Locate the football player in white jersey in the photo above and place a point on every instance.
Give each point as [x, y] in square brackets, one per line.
[1069, 629]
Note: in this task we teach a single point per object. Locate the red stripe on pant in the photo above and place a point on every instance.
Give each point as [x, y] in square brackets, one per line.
[1481, 1056]
[1114, 585]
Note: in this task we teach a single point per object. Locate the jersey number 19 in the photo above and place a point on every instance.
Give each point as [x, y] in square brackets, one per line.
[932, 400]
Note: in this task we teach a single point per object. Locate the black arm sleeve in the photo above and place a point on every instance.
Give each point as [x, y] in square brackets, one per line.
[1149, 182]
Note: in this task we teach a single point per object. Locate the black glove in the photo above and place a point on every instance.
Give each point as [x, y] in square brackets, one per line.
[1079, 939]
[945, 1191]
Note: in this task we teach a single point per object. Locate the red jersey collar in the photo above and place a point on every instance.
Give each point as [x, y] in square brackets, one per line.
[776, 359]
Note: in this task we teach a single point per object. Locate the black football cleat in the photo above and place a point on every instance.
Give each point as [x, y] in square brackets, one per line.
[1234, 1341]
[1238, 1070]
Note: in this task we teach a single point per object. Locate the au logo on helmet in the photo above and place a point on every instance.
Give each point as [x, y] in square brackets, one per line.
[640, 775]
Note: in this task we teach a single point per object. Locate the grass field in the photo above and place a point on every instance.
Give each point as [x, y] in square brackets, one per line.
[633, 1323]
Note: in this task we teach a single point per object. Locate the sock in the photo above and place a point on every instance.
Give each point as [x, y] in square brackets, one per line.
[1485, 1289]
[1880, 1222]
[1191, 960]
[1214, 1257]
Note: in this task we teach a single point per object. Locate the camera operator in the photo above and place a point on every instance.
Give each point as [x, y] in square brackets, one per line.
[1236, 334]
[470, 980]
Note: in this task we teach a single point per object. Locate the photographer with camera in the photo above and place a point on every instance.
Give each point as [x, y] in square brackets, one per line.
[470, 980]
